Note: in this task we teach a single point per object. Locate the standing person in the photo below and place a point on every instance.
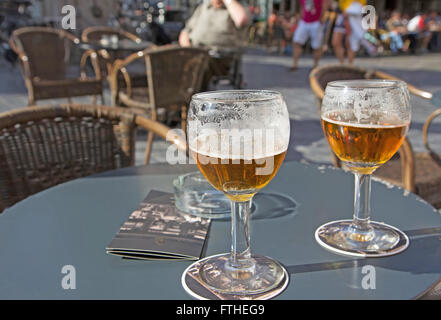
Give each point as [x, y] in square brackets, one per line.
[348, 29]
[275, 31]
[309, 27]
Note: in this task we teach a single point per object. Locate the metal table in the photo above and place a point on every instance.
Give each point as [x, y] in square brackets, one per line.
[71, 224]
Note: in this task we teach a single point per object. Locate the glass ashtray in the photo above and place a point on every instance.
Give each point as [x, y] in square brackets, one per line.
[194, 195]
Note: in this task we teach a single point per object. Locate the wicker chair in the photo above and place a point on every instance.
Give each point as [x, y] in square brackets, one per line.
[416, 172]
[42, 147]
[105, 58]
[42, 53]
[174, 74]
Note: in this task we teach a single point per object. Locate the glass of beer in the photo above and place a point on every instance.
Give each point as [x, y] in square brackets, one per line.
[239, 139]
[365, 123]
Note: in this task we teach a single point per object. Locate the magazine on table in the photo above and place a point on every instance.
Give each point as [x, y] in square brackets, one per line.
[157, 230]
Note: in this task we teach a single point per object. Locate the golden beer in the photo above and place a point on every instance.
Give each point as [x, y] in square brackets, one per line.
[364, 145]
[239, 177]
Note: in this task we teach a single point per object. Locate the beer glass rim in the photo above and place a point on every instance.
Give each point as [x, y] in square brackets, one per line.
[252, 95]
[366, 84]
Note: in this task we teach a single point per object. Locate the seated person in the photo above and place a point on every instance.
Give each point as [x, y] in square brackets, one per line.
[433, 23]
[219, 24]
[417, 29]
[216, 23]
[395, 30]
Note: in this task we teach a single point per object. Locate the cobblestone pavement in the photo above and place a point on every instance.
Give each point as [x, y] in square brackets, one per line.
[267, 71]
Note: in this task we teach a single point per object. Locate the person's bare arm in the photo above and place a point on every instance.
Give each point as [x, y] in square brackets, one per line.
[237, 13]
[325, 7]
[184, 35]
[184, 39]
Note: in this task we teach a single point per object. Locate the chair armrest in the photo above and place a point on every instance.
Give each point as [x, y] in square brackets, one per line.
[92, 55]
[120, 66]
[24, 60]
[414, 90]
[314, 84]
[70, 36]
[161, 130]
[426, 127]
[407, 166]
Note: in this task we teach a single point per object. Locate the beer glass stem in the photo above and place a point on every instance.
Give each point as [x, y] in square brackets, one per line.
[240, 247]
[362, 197]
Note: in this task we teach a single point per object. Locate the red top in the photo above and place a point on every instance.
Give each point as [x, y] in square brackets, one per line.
[312, 10]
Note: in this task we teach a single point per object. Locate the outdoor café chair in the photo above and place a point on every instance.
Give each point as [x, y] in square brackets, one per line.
[174, 74]
[45, 146]
[416, 172]
[43, 56]
[224, 64]
[105, 58]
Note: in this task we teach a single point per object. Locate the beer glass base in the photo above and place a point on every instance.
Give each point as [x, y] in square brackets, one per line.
[383, 240]
[209, 278]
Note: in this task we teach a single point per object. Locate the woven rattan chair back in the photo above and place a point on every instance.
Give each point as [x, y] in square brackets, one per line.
[43, 54]
[46, 50]
[320, 77]
[174, 75]
[42, 147]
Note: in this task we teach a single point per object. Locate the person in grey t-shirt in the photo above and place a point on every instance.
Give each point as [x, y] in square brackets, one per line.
[216, 23]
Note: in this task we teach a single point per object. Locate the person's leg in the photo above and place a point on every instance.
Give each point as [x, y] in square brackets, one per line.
[356, 36]
[337, 45]
[412, 36]
[399, 41]
[299, 39]
[297, 52]
[316, 36]
[317, 56]
[351, 56]
[269, 39]
[350, 45]
[427, 36]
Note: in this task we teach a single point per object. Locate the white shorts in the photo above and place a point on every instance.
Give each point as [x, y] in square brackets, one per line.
[306, 30]
[357, 32]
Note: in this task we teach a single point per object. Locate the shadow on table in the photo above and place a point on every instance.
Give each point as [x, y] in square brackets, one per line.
[425, 245]
[270, 205]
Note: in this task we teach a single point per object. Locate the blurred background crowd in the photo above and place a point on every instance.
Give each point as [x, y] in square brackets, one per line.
[398, 29]
[402, 26]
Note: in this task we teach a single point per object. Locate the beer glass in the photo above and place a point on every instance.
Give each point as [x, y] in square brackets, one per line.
[365, 123]
[239, 139]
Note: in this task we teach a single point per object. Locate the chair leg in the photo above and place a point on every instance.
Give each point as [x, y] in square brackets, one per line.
[148, 149]
[184, 118]
[31, 100]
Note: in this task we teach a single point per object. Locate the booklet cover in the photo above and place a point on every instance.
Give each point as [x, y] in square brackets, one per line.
[157, 230]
